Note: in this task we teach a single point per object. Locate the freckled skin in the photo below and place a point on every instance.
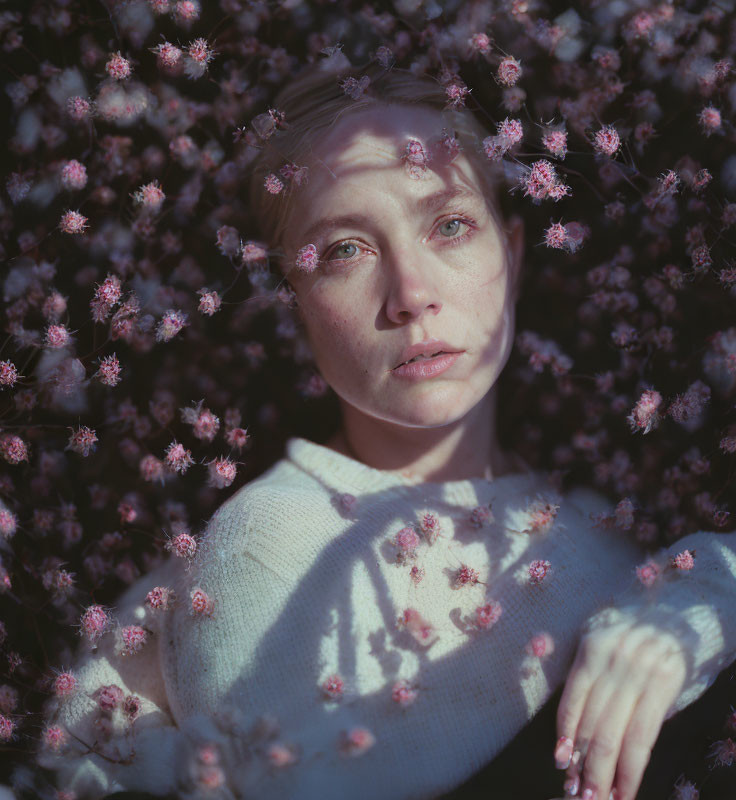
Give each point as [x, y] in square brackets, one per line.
[396, 280]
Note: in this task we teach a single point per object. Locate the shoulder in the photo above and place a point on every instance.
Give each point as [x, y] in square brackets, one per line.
[266, 513]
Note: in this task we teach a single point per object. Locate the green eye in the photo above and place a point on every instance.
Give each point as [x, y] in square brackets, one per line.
[342, 246]
[450, 222]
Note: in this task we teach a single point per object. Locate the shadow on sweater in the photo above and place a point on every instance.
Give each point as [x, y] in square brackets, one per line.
[328, 580]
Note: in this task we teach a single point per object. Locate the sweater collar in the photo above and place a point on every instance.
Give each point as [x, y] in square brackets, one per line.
[343, 473]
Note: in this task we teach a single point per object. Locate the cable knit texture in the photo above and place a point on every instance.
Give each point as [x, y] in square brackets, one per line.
[309, 580]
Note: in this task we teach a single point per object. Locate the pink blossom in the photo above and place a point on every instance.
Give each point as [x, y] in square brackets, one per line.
[199, 54]
[710, 120]
[8, 374]
[645, 416]
[540, 645]
[403, 694]
[94, 623]
[416, 574]
[73, 222]
[168, 55]
[110, 697]
[186, 12]
[538, 570]
[78, 108]
[82, 441]
[221, 472]
[54, 737]
[160, 598]
[407, 540]
[7, 728]
[65, 684]
[488, 615]
[178, 458]
[333, 687]
[420, 629]
[118, 67]
[430, 526]
[481, 515]
[648, 573]
[74, 175]
[209, 303]
[466, 576]
[272, 184]
[509, 71]
[607, 141]
[723, 752]
[356, 741]
[201, 603]
[133, 638]
[182, 545]
[109, 371]
[280, 755]
[684, 561]
[150, 197]
[307, 258]
[170, 324]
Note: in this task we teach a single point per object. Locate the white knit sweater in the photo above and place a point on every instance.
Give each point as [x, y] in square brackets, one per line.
[305, 587]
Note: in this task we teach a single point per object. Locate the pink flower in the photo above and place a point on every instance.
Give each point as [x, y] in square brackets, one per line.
[74, 175]
[221, 472]
[109, 371]
[272, 184]
[333, 687]
[150, 197]
[538, 570]
[199, 54]
[209, 303]
[168, 55]
[280, 755]
[54, 738]
[133, 638]
[723, 752]
[170, 324]
[556, 142]
[685, 560]
[109, 697]
[407, 540]
[182, 545]
[307, 258]
[488, 615]
[540, 645]
[178, 458]
[420, 629]
[82, 441]
[403, 694]
[710, 120]
[509, 71]
[648, 573]
[201, 603]
[65, 684]
[645, 415]
[356, 741]
[118, 67]
[430, 526]
[160, 598]
[466, 576]
[607, 141]
[8, 374]
[73, 222]
[416, 574]
[94, 623]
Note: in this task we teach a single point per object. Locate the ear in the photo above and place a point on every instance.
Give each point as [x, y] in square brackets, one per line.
[515, 245]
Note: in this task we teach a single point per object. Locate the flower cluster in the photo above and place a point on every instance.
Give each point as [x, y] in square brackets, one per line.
[137, 283]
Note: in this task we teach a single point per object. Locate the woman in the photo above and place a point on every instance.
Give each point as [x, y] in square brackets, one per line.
[380, 615]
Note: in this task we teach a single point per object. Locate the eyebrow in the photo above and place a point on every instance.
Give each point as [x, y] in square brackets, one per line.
[431, 202]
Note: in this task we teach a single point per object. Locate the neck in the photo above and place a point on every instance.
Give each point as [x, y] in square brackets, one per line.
[465, 449]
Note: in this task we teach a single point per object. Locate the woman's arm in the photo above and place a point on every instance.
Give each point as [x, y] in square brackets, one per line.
[128, 744]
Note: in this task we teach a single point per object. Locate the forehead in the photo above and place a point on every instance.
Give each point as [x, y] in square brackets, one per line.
[361, 158]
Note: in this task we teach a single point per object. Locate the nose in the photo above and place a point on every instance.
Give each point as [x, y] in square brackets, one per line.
[412, 287]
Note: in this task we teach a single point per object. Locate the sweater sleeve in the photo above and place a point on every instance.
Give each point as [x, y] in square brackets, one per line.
[130, 746]
[695, 601]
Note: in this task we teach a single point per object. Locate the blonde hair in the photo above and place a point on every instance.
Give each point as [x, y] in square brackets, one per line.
[314, 100]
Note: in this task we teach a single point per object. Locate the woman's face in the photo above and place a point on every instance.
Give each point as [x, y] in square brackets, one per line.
[402, 271]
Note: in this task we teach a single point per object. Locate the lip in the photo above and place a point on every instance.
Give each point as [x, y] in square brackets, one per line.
[426, 367]
[425, 348]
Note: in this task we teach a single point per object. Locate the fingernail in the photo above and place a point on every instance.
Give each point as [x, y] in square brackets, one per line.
[589, 794]
[572, 785]
[563, 752]
[576, 757]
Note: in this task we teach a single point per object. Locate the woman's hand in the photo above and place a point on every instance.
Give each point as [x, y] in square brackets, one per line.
[623, 681]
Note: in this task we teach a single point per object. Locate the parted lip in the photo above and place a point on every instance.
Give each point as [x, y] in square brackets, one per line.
[427, 348]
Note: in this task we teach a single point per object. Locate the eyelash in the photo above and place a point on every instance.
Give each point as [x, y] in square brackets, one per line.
[455, 240]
